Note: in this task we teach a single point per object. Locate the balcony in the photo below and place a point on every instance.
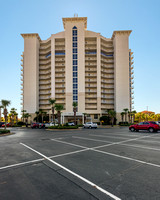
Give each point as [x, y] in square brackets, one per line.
[88, 101]
[59, 65]
[45, 92]
[90, 86]
[90, 75]
[90, 91]
[60, 92]
[90, 64]
[44, 87]
[44, 97]
[91, 80]
[45, 62]
[44, 82]
[90, 42]
[59, 60]
[91, 96]
[60, 81]
[59, 97]
[44, 72]
[59, 76]
[45, 47]
[45, 67]
[107, 71]
[44, 77]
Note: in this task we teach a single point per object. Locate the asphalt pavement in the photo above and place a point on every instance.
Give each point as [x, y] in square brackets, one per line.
[111, 163]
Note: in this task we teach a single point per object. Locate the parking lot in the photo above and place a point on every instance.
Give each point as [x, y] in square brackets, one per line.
[110, 163]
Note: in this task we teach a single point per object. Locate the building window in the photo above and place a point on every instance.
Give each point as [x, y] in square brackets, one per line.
[95, 116]
[74, 56]
[75, 50]
[74, 80]
[74, 68]
[74, 74]
[74, 62]
[75, 44]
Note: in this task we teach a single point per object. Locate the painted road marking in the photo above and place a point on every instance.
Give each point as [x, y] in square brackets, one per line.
[73, 173]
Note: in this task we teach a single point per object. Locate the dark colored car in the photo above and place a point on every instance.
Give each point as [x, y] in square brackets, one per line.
[149, 126]
[1, 123]
[37, 125]
[7, 125]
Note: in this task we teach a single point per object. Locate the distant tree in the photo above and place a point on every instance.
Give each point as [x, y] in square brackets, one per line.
[5, 103]
[75, 104]
[23, 111]
[37, 116]
[26, 116]
[122, 116]
[125, 111]
[0, 112]
[52, 103]
[112, 115]
[59, 108]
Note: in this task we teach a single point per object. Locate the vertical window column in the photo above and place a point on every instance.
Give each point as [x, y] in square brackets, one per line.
[75, 64]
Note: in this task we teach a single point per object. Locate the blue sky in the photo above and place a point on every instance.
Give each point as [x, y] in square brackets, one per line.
[104, 16]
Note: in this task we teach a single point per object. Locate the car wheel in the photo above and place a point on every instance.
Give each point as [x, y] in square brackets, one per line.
[151, 130]
[132, 129]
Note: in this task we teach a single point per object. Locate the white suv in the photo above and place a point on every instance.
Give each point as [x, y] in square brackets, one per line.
[90, 125]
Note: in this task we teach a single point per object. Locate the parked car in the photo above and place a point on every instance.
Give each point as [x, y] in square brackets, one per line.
[35, 125]
[71, 124]
[150, 126]
[90, 125]
[158, 122]
[50, 124]
[1, 123]
[7, 125]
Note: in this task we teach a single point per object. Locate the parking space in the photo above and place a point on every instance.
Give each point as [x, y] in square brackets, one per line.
[81, 164]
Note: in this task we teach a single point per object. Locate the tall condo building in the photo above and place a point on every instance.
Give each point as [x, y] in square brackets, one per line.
[77, 65]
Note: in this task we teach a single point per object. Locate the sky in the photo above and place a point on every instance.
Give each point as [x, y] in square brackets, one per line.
[104, 16]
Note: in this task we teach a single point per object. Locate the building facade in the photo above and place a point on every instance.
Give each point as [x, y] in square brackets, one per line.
[77, 65]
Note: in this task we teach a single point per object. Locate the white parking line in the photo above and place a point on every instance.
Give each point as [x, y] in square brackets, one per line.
[124, 157]
[73, 173]
[105, 136]
[84, 138]
[20, 164]
[69, 143]
[137, 146]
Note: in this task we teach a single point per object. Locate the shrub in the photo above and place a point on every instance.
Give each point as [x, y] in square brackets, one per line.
[4, 131]
[20, 123]
[63, 127]
[124, 124]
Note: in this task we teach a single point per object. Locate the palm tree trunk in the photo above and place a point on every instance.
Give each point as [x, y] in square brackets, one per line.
[75, 116]
[53, 117]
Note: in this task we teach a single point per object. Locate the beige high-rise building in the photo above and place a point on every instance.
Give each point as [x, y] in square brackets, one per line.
[77, 65]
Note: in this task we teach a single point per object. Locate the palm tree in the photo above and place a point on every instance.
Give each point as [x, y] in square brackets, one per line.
[112, 115]
[58, 108]
[52, 102]
[5, 103]
[41, 113]
[26, 115]
[0, 112]
[23, 111]
[75, 104]
[134, 112]
[16, 114]
[122, 115]
[125, 111]
[37, 113]
[13, 112]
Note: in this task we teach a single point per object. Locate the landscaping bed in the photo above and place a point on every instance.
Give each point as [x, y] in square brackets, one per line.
[63, 127]
[3, 131]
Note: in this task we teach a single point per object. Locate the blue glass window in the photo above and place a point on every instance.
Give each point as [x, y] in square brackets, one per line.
[75, 44]
[74, 74]
[75, 98]
[74, 38]
[74, 56]
[74, 62]
[75, 86]
[74, 27]
[75, 50]
[74, 32]
[74, 80]
[74, 68]
[75, 92]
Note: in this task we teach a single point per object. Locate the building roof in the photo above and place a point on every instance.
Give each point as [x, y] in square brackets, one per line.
[121, 32]
[25, 35]
[75, 19]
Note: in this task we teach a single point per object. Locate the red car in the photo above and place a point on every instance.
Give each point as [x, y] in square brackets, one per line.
[7, 125]
[150, 126]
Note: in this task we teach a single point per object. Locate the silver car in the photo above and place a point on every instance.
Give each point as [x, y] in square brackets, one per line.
[90, 125]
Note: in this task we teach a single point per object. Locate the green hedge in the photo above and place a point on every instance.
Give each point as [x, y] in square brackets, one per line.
[4, 131]
[63, 127]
